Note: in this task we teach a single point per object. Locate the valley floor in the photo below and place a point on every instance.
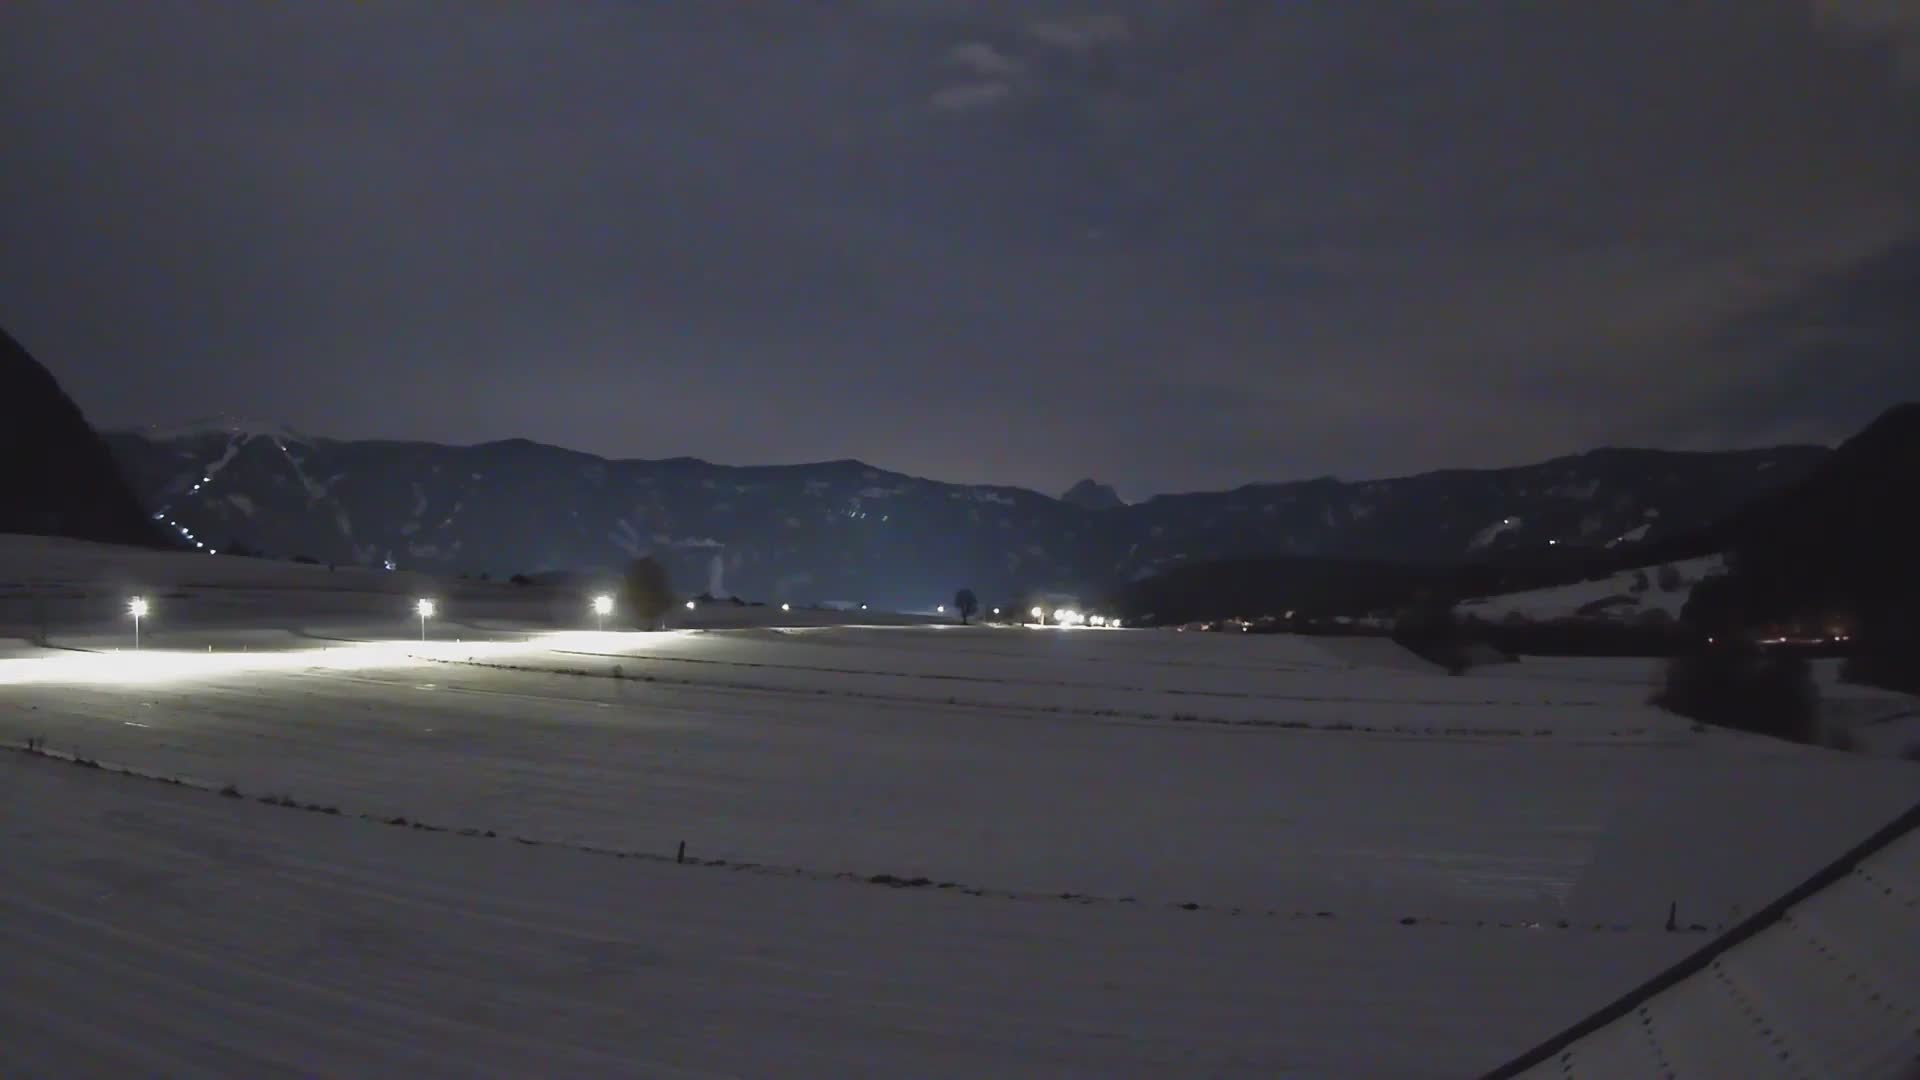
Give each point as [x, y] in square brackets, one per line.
[910, 849]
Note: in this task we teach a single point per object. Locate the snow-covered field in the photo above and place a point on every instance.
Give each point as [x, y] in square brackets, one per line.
[1622, 597]
[911, 849]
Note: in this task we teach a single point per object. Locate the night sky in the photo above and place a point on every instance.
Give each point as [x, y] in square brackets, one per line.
[1171, 245]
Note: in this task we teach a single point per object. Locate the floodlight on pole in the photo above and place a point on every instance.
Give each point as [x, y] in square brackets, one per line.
[424, 609]
[602, 607]
[137, 607]
[1039, 614]
[691, 605]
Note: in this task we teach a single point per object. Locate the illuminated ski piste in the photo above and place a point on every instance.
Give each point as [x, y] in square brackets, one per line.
[154, 666]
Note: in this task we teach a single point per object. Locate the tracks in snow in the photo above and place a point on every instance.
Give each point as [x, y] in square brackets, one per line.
[1616, 736]
[883, 880]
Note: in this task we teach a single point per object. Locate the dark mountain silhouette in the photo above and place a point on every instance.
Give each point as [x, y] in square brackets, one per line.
[1090, 495]
[57, 478]
[1839, 544]
[845, 530]
[1842, 545]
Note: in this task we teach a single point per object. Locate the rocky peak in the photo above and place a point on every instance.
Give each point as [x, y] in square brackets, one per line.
[1091, 495]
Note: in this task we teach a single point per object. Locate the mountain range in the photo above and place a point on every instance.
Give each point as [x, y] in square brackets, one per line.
[846, 530]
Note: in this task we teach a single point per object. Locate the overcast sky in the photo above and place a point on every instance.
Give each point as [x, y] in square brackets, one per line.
[1168, 244]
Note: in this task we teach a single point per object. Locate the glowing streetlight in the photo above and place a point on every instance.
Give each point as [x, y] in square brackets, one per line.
[690, 605]
[137, 607]
[941, 610]
[996, 613]
[424, 609]
[786, 607]
[602, 607]
[1039, 614]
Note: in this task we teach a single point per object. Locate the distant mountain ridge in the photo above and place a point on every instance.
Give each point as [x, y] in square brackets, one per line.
[848, 530]
[1091, 495]
[57, 477]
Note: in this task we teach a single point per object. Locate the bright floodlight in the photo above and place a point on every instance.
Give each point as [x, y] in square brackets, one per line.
[424, 609]
[690, 605]
[603, 605]
[786, 607]
[941, 610]
[1038, 613]
[137, 607]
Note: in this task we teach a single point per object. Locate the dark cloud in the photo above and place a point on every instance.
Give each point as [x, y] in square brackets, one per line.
[1172, 245]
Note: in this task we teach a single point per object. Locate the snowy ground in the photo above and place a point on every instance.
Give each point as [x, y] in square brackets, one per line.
[1220, 854]
[1621, 597]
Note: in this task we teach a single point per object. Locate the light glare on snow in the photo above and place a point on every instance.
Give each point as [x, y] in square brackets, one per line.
[150, 666]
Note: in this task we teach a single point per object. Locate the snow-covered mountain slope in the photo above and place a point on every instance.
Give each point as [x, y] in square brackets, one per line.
[846, 530]
[1651, 592]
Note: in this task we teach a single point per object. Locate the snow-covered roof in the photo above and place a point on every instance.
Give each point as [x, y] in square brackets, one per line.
[1823, 982]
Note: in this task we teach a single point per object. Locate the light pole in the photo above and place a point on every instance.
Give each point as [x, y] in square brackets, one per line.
[1039, 615]
[602, 607]
[137, 607]
[424, 609]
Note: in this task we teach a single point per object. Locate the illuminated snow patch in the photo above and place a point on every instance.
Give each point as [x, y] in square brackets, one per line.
[149, 666]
